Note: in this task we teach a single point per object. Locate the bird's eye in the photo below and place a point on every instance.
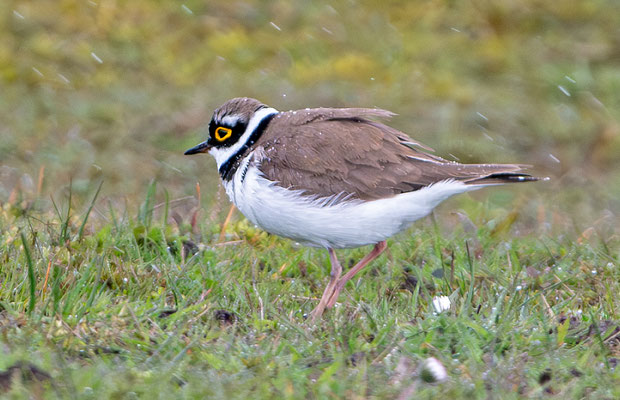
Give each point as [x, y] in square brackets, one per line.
[222, 133]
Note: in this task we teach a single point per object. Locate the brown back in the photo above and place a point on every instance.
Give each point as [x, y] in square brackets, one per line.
[341, 152]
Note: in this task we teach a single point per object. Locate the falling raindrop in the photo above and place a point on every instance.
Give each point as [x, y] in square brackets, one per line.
[96, 57]
[64, 78]
[554, 158]
[275, 26]
[331, 10]
[564, 90]
[187, 9]
[568, 78]
[486, 135]
[18, 15]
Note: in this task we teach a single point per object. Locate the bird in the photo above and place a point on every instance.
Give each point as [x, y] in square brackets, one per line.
[334, 178]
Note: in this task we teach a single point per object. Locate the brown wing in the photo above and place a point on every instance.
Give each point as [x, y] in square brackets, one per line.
[340, 152]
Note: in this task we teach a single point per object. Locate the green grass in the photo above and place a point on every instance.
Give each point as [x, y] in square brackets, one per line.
[129, 311]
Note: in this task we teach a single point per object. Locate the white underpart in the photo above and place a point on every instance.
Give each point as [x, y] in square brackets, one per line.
[320, 222]
[222, 154]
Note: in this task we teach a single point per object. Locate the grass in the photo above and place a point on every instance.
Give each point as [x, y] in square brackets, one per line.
[142, 306]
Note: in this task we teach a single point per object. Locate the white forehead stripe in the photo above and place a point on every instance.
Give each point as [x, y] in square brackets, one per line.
[230, 120]
[223, 154]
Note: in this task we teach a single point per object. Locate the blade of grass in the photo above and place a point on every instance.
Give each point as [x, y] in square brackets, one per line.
[94, 288]
[64, 230]
[145, 215]
[113, 217]
[166, 207]
[31, 278]
[90, 208]
[470, 293]
[225, 224]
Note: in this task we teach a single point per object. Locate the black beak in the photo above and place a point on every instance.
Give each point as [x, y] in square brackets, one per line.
[201, 148]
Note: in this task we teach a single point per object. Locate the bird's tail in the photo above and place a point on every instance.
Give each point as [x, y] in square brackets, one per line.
[496, 174]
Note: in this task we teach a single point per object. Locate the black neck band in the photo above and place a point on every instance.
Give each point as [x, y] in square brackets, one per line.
[227, 170]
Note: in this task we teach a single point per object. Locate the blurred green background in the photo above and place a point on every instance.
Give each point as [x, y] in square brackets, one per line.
[117, 90]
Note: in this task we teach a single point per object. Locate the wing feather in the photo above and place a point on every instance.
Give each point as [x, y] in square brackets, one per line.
[342, 152]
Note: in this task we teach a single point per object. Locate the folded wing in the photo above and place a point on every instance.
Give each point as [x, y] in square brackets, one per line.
[343, 153]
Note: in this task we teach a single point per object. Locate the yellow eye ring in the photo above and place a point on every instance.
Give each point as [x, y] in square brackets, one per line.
[222, 133]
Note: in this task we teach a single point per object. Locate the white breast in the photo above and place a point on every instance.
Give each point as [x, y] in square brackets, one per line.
[320, 222]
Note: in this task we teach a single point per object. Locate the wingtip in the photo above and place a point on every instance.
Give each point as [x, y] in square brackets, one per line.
[524, 178]
[529, 178]
[506, 177]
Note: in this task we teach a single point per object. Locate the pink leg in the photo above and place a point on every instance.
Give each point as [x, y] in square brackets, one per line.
[329, 289]
[376, 251]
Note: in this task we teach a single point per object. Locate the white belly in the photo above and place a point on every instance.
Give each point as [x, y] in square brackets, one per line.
[345, 224]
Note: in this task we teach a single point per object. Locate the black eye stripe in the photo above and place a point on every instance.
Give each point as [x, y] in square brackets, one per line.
[237, 131]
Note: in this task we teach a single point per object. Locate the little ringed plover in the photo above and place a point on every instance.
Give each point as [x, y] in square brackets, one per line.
[334, 177]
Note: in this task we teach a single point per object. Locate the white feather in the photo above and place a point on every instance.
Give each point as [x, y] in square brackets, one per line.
[323, 222]
[230, 120]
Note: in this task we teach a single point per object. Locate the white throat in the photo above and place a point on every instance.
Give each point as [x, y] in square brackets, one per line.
[223, 154]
